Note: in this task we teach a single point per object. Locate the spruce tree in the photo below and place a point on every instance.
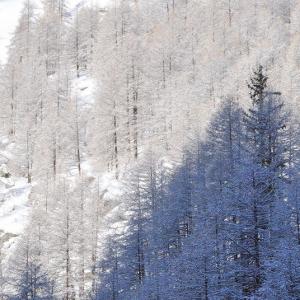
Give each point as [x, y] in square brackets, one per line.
[266, 130]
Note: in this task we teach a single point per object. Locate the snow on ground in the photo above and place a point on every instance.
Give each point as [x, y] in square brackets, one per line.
[14, 207]
[83, 88]
[107, 181]
[15, 213]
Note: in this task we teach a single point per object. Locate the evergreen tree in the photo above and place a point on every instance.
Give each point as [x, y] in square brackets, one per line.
[33, 284]
[266, 132]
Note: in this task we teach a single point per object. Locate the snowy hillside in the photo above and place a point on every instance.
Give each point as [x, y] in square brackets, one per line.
[15, 208]
[151, 151]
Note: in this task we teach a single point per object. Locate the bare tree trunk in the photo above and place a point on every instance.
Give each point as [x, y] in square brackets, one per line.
[128, 117]
[54, 151]
[205, 280]
[229, 13]
[78, 152]
[68, 259]
[140, 250]
[29, 162]
[77, 45]
[96, 232]
[256, 240]
[82, 248]
[135, 111]
[13, 105]
[115, 141]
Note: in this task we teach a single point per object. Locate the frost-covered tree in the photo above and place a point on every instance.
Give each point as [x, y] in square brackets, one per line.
[33, 284]
[222, 224]
[204, 200]
[266, 126]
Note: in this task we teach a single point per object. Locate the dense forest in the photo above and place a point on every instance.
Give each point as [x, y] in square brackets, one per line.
[158, 147]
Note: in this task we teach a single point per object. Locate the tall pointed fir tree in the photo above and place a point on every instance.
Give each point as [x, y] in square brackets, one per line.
[266, 125]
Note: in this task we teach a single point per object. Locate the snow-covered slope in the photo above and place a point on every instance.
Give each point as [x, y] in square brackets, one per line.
[14, 204]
